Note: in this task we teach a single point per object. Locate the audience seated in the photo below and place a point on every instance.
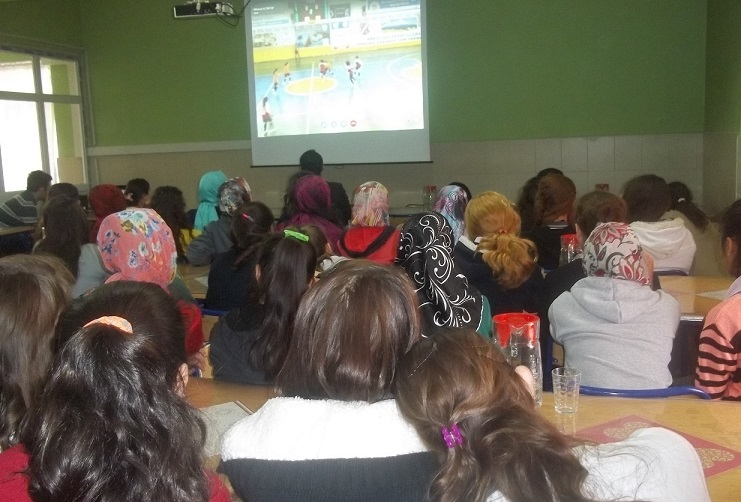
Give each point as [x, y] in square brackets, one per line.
[554, 207]
[230, 278]
[444, 294]
[495, 446]
[33, 291]
[719, 360]
[112, 422]
[309, 204]
[249, 344]
[370, 235]
[137, 193]
[313, 162]
[613, 326]
[67, 189]
[451, 202]
[169, 203]
[335, 434]
[66, 237]
[104, 201]
[526, 199]
[493, 257]
[208, 198]
[137, 245]
[216, 237]
[671, 245]
[21, 210]
[708, 259]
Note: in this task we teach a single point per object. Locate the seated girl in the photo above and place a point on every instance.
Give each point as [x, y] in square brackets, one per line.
[495, 446]
[370, 235]
[719, 360]
[249, 344]
[169, 203]
[444, 295]
[137, 193]
[104, 200]
[613, 326]
[33, 291]
[230, 275]
[495, 259]
[451, 202]
[335, 434]
[112, 422]
[208, 199]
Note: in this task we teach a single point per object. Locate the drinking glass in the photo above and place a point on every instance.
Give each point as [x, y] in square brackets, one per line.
[566, 389]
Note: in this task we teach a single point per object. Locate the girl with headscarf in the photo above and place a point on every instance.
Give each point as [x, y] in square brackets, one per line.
[370, 236]
[445, 296]
[216, 238]
[613, 326]
[451, 203]
[104, 200]
[137, 245]
[310, 205]
[208, 197]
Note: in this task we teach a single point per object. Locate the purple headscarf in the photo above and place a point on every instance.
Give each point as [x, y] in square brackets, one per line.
[312, 198]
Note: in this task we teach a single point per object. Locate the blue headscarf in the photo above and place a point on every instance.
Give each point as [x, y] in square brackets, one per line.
[451, 203]
[208, 196]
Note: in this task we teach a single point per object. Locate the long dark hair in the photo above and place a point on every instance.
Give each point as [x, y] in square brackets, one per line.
[169, 203]
[33, 291]
[136, 191]
[682, 202]
[250, 222]
[65, 230]
[458, 378]
[111, 423]
[731, 229]
[286, 267]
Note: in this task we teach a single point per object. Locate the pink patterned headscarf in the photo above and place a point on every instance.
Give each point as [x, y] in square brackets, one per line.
[613, 250]
[137, 245]
[370, 205]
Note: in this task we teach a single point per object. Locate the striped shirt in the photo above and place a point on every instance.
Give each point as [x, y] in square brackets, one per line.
[719, 360]
[19, 210]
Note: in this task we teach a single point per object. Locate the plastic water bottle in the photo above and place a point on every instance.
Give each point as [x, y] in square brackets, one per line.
[570, 249]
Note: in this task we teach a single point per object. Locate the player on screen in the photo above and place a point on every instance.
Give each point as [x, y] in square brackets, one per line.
[286, 73]
[358, 66]
[267, 116]
[324, 68]
[350, 72]
[276, 79]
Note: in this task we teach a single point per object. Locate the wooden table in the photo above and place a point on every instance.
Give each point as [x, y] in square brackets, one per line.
[193, 275]
[17, 230]
[687, 291]
[714, 421]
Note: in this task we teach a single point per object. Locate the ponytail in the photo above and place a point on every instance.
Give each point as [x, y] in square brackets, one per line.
[511, 258]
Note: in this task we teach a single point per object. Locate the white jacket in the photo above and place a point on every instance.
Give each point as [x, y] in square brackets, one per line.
[669, 242]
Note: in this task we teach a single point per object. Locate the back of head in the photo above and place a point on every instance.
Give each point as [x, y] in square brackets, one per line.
[318, 241]
[598, 207]
[65, 230]
[351, 329]
[67, 189]
[456, 379]
[555, 198]
[136, 192]
[647, 197]
[311, 161]
[208, 186]
[117, 378]
[250, 222]
[232, 193]
[492, 217]
[613, 250]
[731, 229]
[312, 195]
[286, 262]
[451, 202]
[106, 199]
[137, 245]
[33, 291]
[370, 205]
[169, 203]
[37, 180]
[682, 202]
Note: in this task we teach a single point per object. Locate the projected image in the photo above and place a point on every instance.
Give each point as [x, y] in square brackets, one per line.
[326, 66]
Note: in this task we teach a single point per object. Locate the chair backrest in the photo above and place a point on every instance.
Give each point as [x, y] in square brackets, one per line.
[645, 393]
[671, 272]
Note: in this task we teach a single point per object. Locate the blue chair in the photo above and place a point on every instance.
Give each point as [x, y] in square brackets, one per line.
[215, 313]
[646, 393]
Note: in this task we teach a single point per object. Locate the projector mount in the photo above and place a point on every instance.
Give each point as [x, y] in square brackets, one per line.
[203, 9]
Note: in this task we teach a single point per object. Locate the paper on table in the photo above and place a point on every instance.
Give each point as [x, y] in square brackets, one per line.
[203, 279]
[218, 419]
[715, 295]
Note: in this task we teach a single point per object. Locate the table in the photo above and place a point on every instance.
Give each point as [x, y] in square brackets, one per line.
[712, 421]
[17, 230]
[687, 291]
[193, 277]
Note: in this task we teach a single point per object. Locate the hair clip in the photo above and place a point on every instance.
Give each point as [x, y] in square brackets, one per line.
[112, 320]
[296, 235]
[452, 436]
[247, 217]
[681, 199]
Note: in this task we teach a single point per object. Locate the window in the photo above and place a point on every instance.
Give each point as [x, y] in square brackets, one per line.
[41, 118]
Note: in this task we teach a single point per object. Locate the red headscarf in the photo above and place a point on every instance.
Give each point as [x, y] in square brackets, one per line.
[104, 200]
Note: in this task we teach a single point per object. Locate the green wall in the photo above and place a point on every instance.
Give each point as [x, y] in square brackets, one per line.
[498, 69]
[723, 71]
[55, 21]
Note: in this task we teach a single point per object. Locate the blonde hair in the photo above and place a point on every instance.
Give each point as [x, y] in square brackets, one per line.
[493, 218]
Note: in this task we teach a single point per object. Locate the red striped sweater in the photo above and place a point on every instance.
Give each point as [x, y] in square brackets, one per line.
[719, 359]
